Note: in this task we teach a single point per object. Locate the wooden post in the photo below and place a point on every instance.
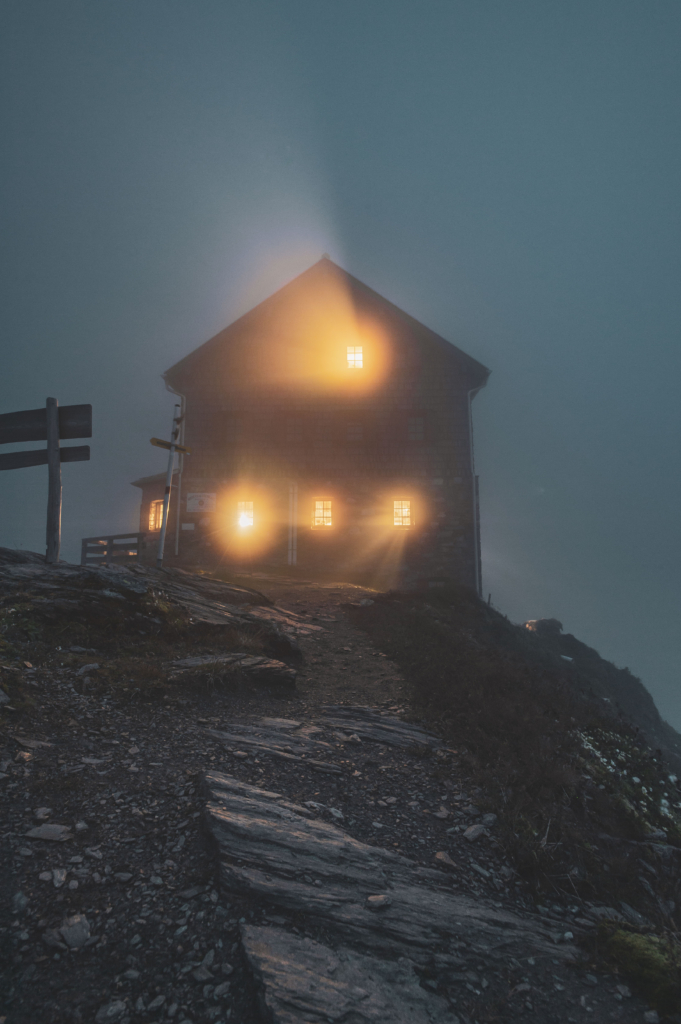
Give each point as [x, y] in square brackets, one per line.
[166, 497]
[54, 483]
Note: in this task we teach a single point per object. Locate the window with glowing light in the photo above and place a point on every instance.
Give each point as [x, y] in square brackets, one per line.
[402, 512]
[155, 515]
[355, 357]
[415, 428]
[322, 513]
[244, 512]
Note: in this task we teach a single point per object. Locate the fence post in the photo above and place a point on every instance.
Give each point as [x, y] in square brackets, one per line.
[53, 537]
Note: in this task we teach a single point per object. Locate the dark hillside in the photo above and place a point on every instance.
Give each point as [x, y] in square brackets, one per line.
[567, 751]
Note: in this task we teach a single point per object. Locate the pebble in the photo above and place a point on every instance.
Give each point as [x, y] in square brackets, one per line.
[87, 668]
[75, 931]
[203, 972]
[376, 902]
[474, 832]
[110, 1011]
[444, 859]
[56, 833]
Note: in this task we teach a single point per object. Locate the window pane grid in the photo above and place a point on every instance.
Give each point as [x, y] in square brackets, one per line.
[402, 512]
[322, 513]
[355, 357]
[244, 511]
[155, 514]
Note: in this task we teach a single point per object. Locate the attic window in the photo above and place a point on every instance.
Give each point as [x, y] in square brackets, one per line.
[244, 511]
[322, 513]
[155, 514]
[355, 357]
[402, 512]
[355, 432]
[415, 428]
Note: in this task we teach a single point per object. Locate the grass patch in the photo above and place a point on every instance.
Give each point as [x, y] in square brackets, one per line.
[652, 963]
[559, 767]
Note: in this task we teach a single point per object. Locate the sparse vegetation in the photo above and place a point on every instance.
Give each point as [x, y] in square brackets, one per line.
[652, 963]
[572, 780]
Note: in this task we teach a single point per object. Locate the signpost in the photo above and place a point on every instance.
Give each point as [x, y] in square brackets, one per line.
[49, 424]
[172, 447]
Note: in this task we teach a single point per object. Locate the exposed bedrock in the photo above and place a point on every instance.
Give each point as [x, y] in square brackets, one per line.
[303, 980]
[274, 852]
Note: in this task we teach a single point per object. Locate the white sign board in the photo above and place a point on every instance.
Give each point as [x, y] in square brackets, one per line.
[200, 502]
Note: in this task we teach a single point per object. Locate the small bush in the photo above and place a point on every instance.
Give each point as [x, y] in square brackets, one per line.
[651, 962]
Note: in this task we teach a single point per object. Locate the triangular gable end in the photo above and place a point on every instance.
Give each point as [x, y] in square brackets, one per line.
[191, 362]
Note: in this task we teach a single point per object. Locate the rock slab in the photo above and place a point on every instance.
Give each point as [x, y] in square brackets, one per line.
[303, 980]
[273, 852]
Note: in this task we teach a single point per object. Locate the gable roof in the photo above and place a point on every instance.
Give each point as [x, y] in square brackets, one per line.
[324, 270]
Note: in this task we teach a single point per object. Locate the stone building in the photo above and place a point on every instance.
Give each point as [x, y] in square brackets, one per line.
[328, 430]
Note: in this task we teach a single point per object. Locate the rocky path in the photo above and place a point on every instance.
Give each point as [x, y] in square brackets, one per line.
[270, 855]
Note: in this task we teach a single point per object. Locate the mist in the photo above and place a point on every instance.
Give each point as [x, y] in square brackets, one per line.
[506, 173]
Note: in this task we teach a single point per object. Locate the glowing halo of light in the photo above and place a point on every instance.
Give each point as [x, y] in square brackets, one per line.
[248, 520]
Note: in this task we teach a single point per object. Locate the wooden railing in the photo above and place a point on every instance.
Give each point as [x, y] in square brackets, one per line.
[117, 547]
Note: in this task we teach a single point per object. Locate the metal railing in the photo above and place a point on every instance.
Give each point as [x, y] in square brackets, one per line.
[117, 547]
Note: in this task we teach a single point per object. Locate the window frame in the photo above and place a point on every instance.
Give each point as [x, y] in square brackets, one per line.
[355, 357]
[156, 504]
[316, 525]
[245, 508]
[402, 504]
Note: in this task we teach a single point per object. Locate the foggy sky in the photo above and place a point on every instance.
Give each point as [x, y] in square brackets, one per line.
[508, 173]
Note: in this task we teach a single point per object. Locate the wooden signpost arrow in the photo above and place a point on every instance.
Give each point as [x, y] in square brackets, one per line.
[49, 424]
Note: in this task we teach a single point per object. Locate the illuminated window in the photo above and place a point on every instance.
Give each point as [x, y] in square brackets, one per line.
[402, 512]
[355, 358]
[415, 428]
[155, 514]
[355, 432]
[244, 511]
[322, 513]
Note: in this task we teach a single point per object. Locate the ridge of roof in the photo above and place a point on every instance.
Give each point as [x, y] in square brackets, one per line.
[327, 263]
[154, 478]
